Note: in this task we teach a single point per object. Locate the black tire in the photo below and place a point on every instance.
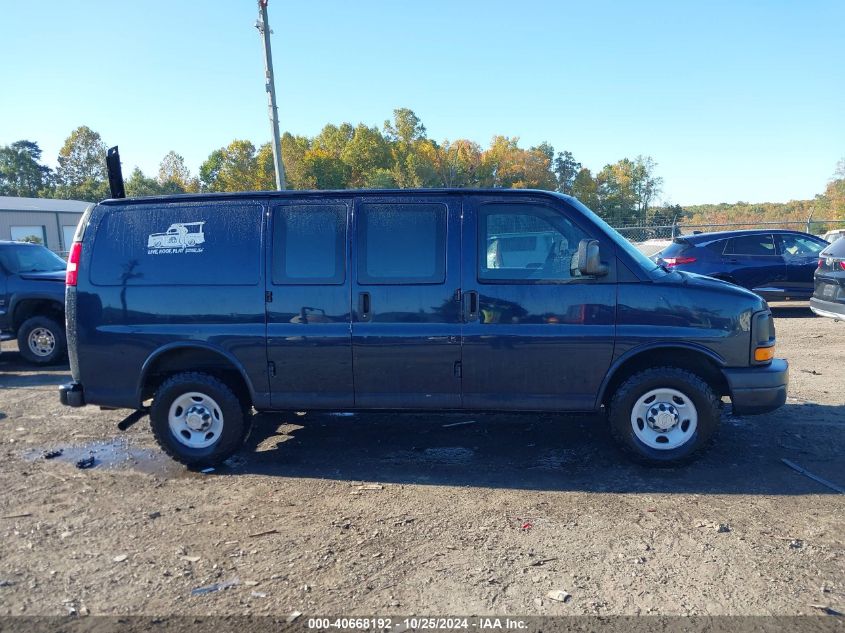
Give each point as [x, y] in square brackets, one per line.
[706, 402]
[235, 419]
[54, 329]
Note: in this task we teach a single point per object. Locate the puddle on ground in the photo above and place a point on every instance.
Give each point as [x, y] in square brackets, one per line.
[116, 454]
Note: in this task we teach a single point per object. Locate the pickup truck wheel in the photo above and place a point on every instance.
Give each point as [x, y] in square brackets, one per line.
[664, 416]
[198, 420]
[41, 340]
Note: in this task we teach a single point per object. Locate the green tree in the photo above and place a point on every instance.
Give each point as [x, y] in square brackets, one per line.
[230, 168]
[322, 170]
[140, 185]
[411, 152]
[626, 190]
[265, 166]
[380, 178]
[585, 188]
[21, 172]
[334, 139]
[366, 152]
[81, 171]
[293, 154]
[174, 176]
[565, 169]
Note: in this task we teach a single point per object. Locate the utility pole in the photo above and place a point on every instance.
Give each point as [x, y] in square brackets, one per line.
[263, 27]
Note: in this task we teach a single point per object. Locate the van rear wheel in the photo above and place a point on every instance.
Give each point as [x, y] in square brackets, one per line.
[664, 416]
[198, 420]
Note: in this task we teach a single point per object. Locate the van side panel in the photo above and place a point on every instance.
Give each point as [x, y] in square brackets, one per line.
[309, 338]
[406, 325]
[692, 314]
[137, 293]
[543, 337]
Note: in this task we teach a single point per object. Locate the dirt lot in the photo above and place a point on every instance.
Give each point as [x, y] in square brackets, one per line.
[478, 518]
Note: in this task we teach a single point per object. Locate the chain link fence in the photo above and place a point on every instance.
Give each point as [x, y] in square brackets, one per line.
[655, 237]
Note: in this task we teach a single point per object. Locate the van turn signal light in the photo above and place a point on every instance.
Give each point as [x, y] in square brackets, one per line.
[762, 354]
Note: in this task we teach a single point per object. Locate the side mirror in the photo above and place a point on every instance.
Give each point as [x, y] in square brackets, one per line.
[589, 259]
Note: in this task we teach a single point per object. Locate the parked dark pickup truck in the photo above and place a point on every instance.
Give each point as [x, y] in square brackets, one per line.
[32, 301]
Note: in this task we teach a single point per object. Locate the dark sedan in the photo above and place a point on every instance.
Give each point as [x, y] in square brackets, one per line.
[778, 265]
[829, 298]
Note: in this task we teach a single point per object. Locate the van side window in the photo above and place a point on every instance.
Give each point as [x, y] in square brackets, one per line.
[178, 244]
[526, 243]
[309, 244]
[751, 245]
[401, 243]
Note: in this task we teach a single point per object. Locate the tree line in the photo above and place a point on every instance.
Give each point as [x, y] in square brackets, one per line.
[398, 155]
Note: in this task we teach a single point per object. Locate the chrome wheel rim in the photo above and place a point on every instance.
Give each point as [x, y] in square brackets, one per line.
[195, 419]
[41, 341]
[664, 419]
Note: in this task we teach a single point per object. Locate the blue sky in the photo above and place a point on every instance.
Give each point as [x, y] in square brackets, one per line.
[734, 100]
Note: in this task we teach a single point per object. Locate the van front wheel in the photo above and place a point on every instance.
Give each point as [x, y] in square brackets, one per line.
[664, 415]
[197, 419]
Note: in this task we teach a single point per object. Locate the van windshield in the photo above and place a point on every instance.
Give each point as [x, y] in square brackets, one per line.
[621, 242]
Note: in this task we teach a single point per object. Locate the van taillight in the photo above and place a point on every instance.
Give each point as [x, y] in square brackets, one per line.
[73, 264]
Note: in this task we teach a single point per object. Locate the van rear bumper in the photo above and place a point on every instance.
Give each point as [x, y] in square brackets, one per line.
[72, 395]
[758, 389]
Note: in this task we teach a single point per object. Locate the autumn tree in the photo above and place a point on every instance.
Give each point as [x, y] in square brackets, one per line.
[174, 176]
[456, 163]
[505, 164]
[834, 193]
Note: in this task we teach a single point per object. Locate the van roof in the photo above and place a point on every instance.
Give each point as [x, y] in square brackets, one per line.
[328, 193]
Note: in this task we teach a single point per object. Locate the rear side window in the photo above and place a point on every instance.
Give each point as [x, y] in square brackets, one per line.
[309, 244]
[751, 245]
[401, 243]
[800, 246]
[674, 249]
[191, 243]
[836, 249]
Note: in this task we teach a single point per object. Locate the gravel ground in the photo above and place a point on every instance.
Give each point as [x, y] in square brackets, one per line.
[404, 514]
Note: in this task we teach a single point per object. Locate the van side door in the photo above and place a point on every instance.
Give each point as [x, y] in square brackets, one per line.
[309, 342]
[406, 324]
[537, 334]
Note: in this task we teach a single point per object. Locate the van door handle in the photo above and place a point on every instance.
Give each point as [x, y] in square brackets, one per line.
[364, 306]
[470, 305]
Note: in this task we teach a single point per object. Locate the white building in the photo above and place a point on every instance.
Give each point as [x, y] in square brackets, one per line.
[51, 221]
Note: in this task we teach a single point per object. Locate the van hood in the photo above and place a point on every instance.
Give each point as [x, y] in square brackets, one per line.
[56, 275]
[694, 280]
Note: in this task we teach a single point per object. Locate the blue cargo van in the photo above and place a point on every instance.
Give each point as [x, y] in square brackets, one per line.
[203, 308]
